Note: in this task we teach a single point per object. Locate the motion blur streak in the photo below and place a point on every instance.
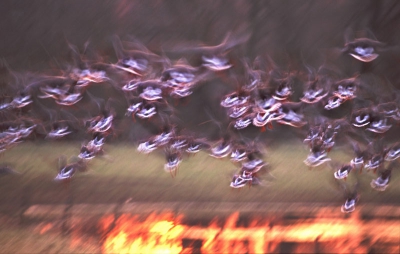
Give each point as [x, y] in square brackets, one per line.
[164, 234]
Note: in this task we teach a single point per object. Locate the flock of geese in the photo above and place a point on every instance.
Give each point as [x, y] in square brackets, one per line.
[87, 94]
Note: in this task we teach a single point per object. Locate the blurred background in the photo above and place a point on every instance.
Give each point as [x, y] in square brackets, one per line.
[35, 36]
